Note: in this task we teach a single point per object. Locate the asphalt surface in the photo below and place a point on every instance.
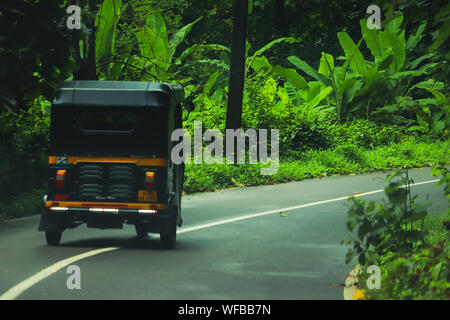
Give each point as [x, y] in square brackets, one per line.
[271, 256]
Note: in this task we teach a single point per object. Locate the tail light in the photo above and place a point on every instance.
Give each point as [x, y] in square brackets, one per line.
[149, 180]
[61, 197]
[61, 178]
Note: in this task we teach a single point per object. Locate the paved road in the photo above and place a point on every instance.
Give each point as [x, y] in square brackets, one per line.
[261, 257]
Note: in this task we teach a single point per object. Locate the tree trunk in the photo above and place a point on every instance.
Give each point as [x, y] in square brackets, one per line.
[237, 68]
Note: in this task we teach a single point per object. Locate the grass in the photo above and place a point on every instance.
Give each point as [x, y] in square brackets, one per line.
[345, 159]
[437, 232]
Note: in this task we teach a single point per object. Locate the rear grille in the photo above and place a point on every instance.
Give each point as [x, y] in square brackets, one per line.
[91, 172]
[106, 182]
[90, 191]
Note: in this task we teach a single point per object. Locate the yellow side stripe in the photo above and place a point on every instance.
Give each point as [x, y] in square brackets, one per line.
[112, 205]
[157, 162]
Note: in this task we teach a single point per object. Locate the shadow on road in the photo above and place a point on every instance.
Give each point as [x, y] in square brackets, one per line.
[146, 243]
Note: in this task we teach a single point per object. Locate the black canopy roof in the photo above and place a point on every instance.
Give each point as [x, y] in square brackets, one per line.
[118, 93]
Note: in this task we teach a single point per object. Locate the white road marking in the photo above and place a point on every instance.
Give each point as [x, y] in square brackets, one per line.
[18, 289]
[265, 213]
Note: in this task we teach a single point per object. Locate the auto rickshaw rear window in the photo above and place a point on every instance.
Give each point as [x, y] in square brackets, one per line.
[103, 122]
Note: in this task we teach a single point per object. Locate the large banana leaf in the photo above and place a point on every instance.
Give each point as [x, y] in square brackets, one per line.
[376, 44]
[314, 88]
[106, 24]
[322, 94]
[272, 43]
[371, 81]
[326, 65]
[306, 68]
[214, 47]
[153, 42]
[386, 60]
[425, 69]
[352, 53]
[249, 59]
[434, 88]
[261, 64]
[179, 36]
[349, 88]
[290, 75]
[397, 43]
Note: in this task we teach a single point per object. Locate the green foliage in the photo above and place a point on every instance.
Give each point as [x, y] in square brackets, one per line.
[23, 145]
[382, 88]
[34, 50]
[395, 225]
[25, 204]
[106, 23]
[410, 246]
[421, 275]
[363, 133]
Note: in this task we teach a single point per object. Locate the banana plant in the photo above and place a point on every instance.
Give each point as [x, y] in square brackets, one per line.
[433, 112]
[106, 21]
[156, 56]
[157, 52]
[256, 62]
[341, 85]
[389, 75]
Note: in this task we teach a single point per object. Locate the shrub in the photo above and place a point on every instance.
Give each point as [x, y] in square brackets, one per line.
[395, 225]
[411, 250]
[420, 274]
[23, 145]
[350, 152]
[364, 134]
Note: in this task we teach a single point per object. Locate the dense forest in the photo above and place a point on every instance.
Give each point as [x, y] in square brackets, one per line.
[345, 98]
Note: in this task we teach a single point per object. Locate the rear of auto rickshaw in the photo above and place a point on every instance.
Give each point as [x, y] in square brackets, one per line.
[109, 161]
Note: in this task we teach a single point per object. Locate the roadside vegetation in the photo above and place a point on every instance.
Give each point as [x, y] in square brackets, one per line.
[345, 98]
[404, 239]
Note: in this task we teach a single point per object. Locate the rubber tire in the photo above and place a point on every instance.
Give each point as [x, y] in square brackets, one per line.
[140, 231]
[168, 237]
[53, 237]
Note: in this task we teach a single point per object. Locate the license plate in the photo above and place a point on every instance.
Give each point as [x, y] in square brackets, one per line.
[146, 195]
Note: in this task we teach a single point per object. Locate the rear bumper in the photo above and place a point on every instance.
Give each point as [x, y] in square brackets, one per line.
[104, 211]
[61, 218]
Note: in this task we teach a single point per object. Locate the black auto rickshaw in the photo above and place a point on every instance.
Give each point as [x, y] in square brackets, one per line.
[109, 159]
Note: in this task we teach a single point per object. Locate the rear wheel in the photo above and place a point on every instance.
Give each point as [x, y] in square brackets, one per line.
[53, 237]
[169, 235]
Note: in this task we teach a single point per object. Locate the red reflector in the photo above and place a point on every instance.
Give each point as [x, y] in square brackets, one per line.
[149, 180]
[60, 178]
[61, 197]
